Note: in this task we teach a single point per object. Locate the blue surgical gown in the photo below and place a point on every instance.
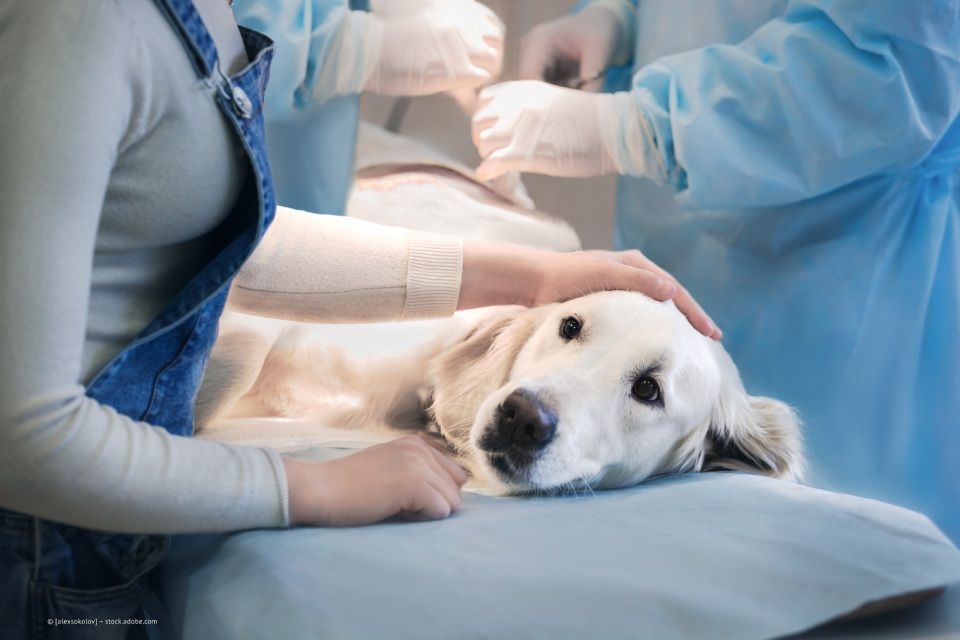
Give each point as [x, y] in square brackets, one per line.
[811, 154]
[310, 139]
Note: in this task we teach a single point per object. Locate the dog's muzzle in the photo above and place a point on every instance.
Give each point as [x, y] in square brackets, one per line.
[522, 427]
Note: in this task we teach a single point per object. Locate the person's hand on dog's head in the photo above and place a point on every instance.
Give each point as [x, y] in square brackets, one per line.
[682, 298]
[503, 274]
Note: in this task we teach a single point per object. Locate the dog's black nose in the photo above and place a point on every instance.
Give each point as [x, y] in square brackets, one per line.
[524, 421]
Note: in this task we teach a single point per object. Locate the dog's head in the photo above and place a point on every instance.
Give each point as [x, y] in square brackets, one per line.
[603, 391]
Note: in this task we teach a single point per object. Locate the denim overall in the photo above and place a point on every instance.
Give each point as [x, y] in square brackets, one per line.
[50, 571]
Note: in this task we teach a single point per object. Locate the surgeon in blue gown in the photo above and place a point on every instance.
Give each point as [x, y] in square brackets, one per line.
[797, 166]
[329, 51]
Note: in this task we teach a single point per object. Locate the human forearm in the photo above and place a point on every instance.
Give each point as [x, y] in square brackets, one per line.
[69, 459]
[332, 269]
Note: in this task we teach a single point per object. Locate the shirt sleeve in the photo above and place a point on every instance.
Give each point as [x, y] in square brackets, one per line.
[828, 93]
[75, 78]
[322, 268]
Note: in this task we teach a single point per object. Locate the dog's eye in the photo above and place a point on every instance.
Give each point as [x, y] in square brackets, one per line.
[646, 389]
[570, 328]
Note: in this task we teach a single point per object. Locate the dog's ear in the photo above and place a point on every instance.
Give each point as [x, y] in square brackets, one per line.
[755, 434]
[473, 366]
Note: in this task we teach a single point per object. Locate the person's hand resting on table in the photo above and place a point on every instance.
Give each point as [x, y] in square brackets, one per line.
[406, 478]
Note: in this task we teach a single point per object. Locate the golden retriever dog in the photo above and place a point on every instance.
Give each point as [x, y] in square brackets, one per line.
[602, 391]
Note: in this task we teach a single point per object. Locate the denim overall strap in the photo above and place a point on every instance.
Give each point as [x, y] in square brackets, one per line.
[56, 572]
[156, 377]
[193, 33]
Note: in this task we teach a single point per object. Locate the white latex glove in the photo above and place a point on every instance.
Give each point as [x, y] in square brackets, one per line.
[429, 46]
[408, 47]
[537, 127]
[579, 46]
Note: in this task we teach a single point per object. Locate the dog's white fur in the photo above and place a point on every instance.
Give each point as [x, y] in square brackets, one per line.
[604, 438]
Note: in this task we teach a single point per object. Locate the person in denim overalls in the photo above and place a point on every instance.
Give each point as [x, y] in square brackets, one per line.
[55, 571]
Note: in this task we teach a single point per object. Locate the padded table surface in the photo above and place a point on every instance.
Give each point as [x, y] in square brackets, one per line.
[719, 555]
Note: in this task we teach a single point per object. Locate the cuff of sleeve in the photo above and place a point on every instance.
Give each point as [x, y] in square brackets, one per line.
[434, 272]
[283, 494]
[625, 15]
[628, 137]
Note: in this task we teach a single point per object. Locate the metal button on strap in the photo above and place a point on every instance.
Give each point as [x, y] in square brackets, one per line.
[241, 102]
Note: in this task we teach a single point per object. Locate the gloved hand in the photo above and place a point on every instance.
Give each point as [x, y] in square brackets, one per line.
[579, 46]
[407, 47]
[429, 46]
[537, 127]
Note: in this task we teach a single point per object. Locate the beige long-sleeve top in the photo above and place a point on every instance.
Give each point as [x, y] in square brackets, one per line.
[117, 167]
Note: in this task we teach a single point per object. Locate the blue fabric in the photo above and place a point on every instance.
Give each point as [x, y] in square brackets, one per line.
[718, 555]
[812, 151]
[311, 139]
[56, 572]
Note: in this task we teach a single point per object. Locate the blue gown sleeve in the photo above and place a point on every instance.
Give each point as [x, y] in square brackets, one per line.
[304, 32]
[827, 94]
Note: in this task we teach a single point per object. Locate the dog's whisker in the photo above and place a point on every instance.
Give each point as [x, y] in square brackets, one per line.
[587, 485]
